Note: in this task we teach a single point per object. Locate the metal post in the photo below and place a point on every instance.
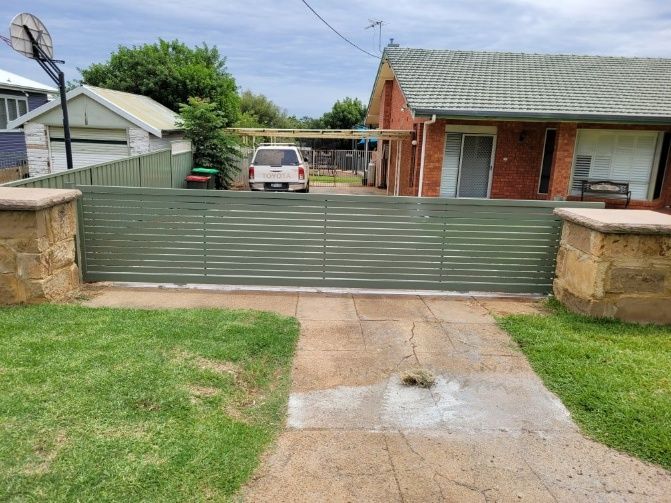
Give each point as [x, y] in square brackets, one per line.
[66, 120]
[49, 66]
[365, 161]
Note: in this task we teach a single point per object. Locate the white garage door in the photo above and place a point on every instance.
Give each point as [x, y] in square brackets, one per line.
[89, 146]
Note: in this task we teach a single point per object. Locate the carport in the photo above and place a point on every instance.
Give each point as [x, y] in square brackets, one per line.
[390, 144]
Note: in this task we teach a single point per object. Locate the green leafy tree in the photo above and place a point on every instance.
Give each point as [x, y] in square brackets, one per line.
[259, 110]
[305, 122]
[204, 124]
[345, 114]
[169, 72]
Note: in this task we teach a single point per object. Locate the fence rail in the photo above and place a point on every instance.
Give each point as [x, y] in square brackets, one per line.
[156, 169]
[187, 236]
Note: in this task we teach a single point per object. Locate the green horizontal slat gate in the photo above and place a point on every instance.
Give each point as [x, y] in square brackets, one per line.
[242, 238]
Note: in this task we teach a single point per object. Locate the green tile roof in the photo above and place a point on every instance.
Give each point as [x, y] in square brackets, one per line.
[499, 84]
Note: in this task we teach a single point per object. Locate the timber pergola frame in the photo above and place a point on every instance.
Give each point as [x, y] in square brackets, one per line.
[390, 135]
[331, 134]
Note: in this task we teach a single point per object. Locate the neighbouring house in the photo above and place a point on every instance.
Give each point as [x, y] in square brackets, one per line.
[523, 126]
[104, 125]
[18, 96]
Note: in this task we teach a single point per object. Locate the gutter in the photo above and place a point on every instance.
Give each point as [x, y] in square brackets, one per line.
[541, 116]
[421, 165]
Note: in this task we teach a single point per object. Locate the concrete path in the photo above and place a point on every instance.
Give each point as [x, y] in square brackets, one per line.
[487, 431]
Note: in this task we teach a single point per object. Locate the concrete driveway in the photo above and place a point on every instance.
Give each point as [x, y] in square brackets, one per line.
[487, 431]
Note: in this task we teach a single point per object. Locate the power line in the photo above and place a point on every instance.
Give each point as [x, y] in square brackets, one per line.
[337, 32]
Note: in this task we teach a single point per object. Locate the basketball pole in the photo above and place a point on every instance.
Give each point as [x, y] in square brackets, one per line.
[57, 75]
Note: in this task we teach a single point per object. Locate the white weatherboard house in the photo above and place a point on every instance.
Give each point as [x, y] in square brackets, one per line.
[105, 125]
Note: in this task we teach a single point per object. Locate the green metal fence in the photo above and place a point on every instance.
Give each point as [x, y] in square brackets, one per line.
[192, 236]
[156, 169]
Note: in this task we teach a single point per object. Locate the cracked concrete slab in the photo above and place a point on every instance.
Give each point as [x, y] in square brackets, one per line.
[377, 307]
[326, 307]
[458, 311]
[487, 431]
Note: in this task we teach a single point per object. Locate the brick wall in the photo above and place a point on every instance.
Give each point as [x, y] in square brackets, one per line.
[518, 158]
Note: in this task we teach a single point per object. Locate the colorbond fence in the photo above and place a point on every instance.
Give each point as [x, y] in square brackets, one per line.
[189, 236]
[156, 169]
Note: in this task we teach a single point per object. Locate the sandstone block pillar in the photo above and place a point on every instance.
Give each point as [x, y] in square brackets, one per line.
[37, 245]
[615, 264]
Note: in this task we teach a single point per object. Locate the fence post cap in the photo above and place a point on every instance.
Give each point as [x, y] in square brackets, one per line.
[29, 199]
[618, 221]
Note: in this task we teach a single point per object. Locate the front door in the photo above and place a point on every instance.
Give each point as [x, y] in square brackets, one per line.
[476, 165]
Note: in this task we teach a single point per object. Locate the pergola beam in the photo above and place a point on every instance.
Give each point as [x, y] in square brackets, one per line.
[340, 134]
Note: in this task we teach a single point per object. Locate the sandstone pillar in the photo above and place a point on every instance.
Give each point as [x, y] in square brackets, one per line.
[615, 264]
[37, 245]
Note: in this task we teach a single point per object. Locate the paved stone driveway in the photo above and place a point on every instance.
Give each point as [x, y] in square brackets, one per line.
[487, 431]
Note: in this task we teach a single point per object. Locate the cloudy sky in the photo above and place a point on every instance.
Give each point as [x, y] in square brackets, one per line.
[278, 47]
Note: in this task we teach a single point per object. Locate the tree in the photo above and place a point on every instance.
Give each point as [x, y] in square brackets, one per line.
[345, 114]
[259, 110]
[169, 72]
[203, 124]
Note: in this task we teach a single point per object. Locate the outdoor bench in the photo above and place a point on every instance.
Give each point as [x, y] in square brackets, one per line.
[606, 188]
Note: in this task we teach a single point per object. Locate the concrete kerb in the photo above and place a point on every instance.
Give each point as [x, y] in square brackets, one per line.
[324, 290]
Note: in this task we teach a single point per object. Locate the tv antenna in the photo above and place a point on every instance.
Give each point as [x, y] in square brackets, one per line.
[28, 36]
[373, 24]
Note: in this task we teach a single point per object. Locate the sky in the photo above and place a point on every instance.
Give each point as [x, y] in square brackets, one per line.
[280, 49]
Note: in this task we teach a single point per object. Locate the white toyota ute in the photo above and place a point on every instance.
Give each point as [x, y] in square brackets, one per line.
[279, 168]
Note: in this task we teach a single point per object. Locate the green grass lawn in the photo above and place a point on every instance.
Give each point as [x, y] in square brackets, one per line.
[122, 404]
[335, 179]
[614, 377]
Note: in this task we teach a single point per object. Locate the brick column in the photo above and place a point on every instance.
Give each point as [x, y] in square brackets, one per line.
[562, 163]
[37, 245]
[433, 161]
[615, 264]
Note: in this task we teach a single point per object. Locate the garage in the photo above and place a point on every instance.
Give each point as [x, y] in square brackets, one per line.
[89, 146]
[105, 125]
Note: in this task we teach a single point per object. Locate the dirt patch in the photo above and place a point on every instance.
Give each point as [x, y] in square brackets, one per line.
[202, 391]
[421, 378]
[45, 455]
[148, 405]
[218, 366]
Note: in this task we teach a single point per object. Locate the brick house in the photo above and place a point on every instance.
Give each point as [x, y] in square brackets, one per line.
[523, 126]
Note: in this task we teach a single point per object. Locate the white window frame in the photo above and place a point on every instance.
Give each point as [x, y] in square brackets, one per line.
[655, 161]
[12, 97]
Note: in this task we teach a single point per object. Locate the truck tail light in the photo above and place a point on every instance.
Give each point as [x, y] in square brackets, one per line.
[301, 173]
[251, 172]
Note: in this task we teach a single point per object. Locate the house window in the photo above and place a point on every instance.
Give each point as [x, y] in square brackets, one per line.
[620, 156]
[11, 108]
[546, 163]
[663, 163]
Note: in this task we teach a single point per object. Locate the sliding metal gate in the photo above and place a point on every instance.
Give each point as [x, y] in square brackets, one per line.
[242, 238]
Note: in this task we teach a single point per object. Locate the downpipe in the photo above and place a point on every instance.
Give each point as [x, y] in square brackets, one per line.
[421, 164]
